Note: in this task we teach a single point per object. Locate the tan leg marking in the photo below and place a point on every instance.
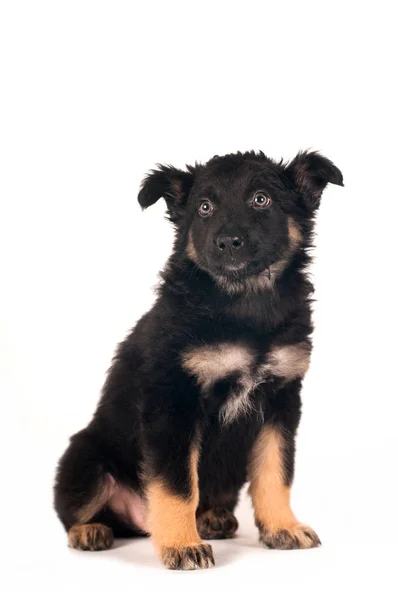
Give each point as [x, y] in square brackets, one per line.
[93, 536]
[275, 519]
[172, 524]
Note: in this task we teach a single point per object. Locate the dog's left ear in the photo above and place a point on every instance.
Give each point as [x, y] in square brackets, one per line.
[310, 173]
[169, 183]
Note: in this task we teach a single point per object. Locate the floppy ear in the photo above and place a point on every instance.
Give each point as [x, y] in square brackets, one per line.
[169, 183]
[310, 173]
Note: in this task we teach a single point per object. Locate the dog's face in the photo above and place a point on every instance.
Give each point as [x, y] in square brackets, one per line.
[237, 223]
[242, 216]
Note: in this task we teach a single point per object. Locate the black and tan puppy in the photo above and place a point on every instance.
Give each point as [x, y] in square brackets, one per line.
[204, 394]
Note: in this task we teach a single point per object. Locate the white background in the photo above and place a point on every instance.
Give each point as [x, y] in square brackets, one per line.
[93, 94]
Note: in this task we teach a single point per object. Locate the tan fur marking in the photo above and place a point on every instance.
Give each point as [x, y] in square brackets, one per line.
[210, 363]
[295, 239]
[240, 402]
[172, 519]
[193, 255]
[270, 495]
[289, 361]
[295, 235]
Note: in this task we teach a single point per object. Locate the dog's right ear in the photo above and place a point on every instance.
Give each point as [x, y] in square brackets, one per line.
[169, 183]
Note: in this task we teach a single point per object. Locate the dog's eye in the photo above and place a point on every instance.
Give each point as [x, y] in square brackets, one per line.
[205, 208]
[261, 200]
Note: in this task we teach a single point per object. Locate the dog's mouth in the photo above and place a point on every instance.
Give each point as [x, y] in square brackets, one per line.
[238, 269]
[235, 269]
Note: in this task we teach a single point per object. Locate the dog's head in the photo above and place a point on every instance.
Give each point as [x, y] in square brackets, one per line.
[242, 217]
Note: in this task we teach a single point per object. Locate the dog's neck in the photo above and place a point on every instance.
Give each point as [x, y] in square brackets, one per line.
[271, 300]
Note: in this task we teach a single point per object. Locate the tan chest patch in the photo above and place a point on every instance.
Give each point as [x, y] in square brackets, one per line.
[211, 363]
[288, 362]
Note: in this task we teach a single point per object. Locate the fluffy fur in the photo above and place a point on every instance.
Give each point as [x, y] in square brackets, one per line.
[204, 393]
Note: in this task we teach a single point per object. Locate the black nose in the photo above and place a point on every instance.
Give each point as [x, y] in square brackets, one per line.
[229, 242]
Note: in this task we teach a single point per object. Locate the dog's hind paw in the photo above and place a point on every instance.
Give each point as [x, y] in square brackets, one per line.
[93, 536]
[216, 524]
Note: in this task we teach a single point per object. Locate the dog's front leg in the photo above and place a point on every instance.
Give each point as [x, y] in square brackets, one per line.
[270, 470]
[172, 453]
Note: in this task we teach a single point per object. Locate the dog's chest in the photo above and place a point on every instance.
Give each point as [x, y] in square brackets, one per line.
[212, 363]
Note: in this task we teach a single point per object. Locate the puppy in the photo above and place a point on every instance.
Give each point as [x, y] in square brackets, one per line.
[204, 393]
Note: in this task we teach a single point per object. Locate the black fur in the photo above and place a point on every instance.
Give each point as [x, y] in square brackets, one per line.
[152, 409]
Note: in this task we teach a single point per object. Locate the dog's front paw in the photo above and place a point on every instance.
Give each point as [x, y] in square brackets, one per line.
[289, 538]
[197, 556]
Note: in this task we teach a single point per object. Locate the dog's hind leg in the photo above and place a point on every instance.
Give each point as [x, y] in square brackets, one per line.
[81, 491]
[215, 518]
